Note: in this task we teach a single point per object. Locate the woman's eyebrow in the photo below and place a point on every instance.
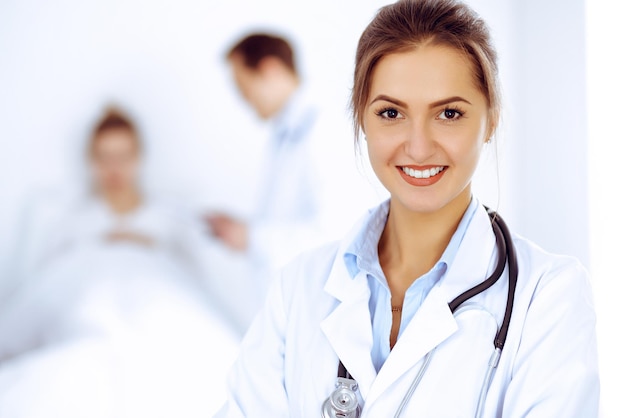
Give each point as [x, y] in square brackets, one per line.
[438, 103]
[448, 101]
[389, 99]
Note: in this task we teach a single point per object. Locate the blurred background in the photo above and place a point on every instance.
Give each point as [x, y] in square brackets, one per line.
[554, 173]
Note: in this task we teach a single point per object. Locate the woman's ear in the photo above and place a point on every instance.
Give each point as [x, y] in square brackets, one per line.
[491, 131]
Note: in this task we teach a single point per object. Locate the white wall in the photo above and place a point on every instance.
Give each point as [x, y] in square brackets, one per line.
[606, 66]
[164, 60]
[61, 61]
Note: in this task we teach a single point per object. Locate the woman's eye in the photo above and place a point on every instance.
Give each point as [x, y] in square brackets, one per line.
[450, 114]
[389, 114]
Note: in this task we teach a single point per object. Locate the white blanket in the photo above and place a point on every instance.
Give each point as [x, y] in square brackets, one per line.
[113, 330]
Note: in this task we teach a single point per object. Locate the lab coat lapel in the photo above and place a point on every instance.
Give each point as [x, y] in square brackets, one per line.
[475, 259]
[348, 327]
[432, 324]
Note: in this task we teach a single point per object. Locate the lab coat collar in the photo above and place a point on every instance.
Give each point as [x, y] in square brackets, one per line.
[473, 263]
[340, 283]
[476, 258]
[349, 330]
[362, 251]
[348, 327]
[433, 323]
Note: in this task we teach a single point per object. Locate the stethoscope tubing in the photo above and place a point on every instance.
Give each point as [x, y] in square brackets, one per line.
[418, 378]
[504, 245]
[493, 364]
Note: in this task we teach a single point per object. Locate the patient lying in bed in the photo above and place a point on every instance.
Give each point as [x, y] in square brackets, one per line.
[114, 321]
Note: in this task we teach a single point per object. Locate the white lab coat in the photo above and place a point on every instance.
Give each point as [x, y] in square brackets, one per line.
[311, 187]
[317, 314]
[288, 212]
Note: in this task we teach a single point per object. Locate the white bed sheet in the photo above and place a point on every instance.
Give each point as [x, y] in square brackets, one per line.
[113, 330]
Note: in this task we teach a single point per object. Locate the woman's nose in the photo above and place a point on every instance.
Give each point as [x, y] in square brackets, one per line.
[419, 143]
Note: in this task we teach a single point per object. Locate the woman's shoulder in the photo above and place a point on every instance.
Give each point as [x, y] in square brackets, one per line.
[326, 258]
[302, 281]
[315, 262]
[541, 267]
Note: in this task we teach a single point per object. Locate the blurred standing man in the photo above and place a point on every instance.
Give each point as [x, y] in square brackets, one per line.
[264, 71]
[299, 185]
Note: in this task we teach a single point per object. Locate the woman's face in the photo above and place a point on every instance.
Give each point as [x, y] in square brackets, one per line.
[425, 122]
[115, 160]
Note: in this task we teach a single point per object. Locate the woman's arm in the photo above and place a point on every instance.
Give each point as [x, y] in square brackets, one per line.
[556, 367]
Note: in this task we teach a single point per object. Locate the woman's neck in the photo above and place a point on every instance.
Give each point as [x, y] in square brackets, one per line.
[122, 201]
[412, 242]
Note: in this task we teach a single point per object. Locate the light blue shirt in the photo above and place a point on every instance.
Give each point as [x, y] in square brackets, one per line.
[362, 256]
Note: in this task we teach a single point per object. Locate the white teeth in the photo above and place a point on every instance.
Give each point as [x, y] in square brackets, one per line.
[422, 174]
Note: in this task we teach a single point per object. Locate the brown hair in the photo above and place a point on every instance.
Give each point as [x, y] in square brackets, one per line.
[113, 119]
[407, 24]
[254, 47]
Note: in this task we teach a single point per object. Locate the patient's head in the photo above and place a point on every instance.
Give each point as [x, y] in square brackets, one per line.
[114, 153]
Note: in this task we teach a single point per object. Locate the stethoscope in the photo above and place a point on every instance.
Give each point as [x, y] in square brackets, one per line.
[344, 401]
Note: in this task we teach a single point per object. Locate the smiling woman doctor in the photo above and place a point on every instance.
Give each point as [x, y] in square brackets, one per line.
[382, 323]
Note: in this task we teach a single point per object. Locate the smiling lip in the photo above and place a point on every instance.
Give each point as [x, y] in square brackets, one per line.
[423, 175]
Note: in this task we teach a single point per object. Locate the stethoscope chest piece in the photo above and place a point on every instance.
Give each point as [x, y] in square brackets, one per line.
[343, 402]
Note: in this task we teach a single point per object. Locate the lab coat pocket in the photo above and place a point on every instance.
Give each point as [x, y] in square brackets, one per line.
[452, 383]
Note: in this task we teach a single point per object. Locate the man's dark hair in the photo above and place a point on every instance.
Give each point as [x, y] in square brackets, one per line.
[254, 47]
